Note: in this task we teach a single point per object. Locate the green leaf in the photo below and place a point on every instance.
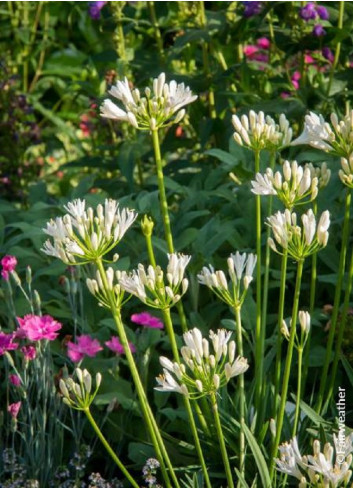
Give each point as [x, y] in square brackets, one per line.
[348, 368]
[258, 457]
[311, 413]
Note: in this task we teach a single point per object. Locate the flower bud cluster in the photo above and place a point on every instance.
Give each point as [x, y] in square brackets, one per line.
[299, 242]
[151, 287]
[336, 138]
[84, 235]
[258, 131]
[79, 395]
[346, 172]
[159, 107]
[329, 468]
[297, 186]
[104, 294]
[304, 322]
[322, 173]
[204, 369]
[240, 270]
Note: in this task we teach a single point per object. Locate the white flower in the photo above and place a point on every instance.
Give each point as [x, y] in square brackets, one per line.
[158, 108]
[336, 138]
[97, 288]
[346, 172]
[233, 293]
[296, 185]
[149, 285]
[79, 396]
[202, 372]
[83, 235]
[322, 173]
[304, 321]
[258, 131]
[290, 459]
[299, 242]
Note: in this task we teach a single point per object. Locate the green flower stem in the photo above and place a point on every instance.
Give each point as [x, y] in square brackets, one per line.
[206, 62]
[342, 326]
[165, 213]
[267, 261]
[311, 308]
[259, 336]
[156, 29]
[150, 251]
[338, 47]
[162, 193]
[109, 448]
[222, 444]
[287, 368]
[299, 390]
[119, 37]
[241, 395]
[151, 424]
[337, 299]
[282, 292]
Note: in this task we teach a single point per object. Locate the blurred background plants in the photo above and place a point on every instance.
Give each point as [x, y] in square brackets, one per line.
[58, 59]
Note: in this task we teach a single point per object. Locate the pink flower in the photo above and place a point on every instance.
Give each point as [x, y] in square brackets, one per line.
[263, 43]
[308, 59]
[284, 95]
[146, 319]
[8, 263]
[29, 352]
[6, 343]
[295, 79]
[114, 345]
[85, 346]
[37, 328]
[14, 409]
[15, 380]
[250, 50]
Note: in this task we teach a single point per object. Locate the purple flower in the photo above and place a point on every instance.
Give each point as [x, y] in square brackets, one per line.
[85, 346]
[8, 263]
[308, 12]
[252, 8]
[37, 328]
[318, 30]
[146, 319]
[15, 380]
[14, 409]
[114, 345]
[6, 343]
[94, 9]
[322, 12]
[328, 54]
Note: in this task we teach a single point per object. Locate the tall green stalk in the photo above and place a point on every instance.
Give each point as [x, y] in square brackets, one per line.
[287, 368]
[299, 391]
[337, 300]
[156, 29]
[241, 395]
[222, 444]
[259, 336]
[170, 331]
[338, 48]
[342, 327]
[282, 292]
[206, 62]
[151, 424]
[109, 448]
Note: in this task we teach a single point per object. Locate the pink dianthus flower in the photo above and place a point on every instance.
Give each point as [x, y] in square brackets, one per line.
[85, 346]
[8, 263]
[114, 345]
[146, 319]
[14, 409]
[6, 342]
[37, 328]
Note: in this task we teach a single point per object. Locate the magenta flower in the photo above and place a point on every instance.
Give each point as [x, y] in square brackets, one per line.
[146, 319]
[308, 12]
[295, 79]
[318, 30]
[94, 9]
[6, 343]
[252, 8]
[8, 263]
[322, 12]
[114, 345]
[14, 409]
[85, 346]
[29, 352]
[37, 328]
[263, 43]
[15, 380]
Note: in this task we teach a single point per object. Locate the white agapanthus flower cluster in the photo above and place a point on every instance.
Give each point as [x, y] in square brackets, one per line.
[299, 242]
[329, 468]
[240, 270]
[297, 186]
[150, 286]
[346, 172]
[104, 294]
[336, 138]
[159, 107]
[204, 370]
[79, 395]
[301, 338]
[84, 235]
[322, 173]
[258, 131]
